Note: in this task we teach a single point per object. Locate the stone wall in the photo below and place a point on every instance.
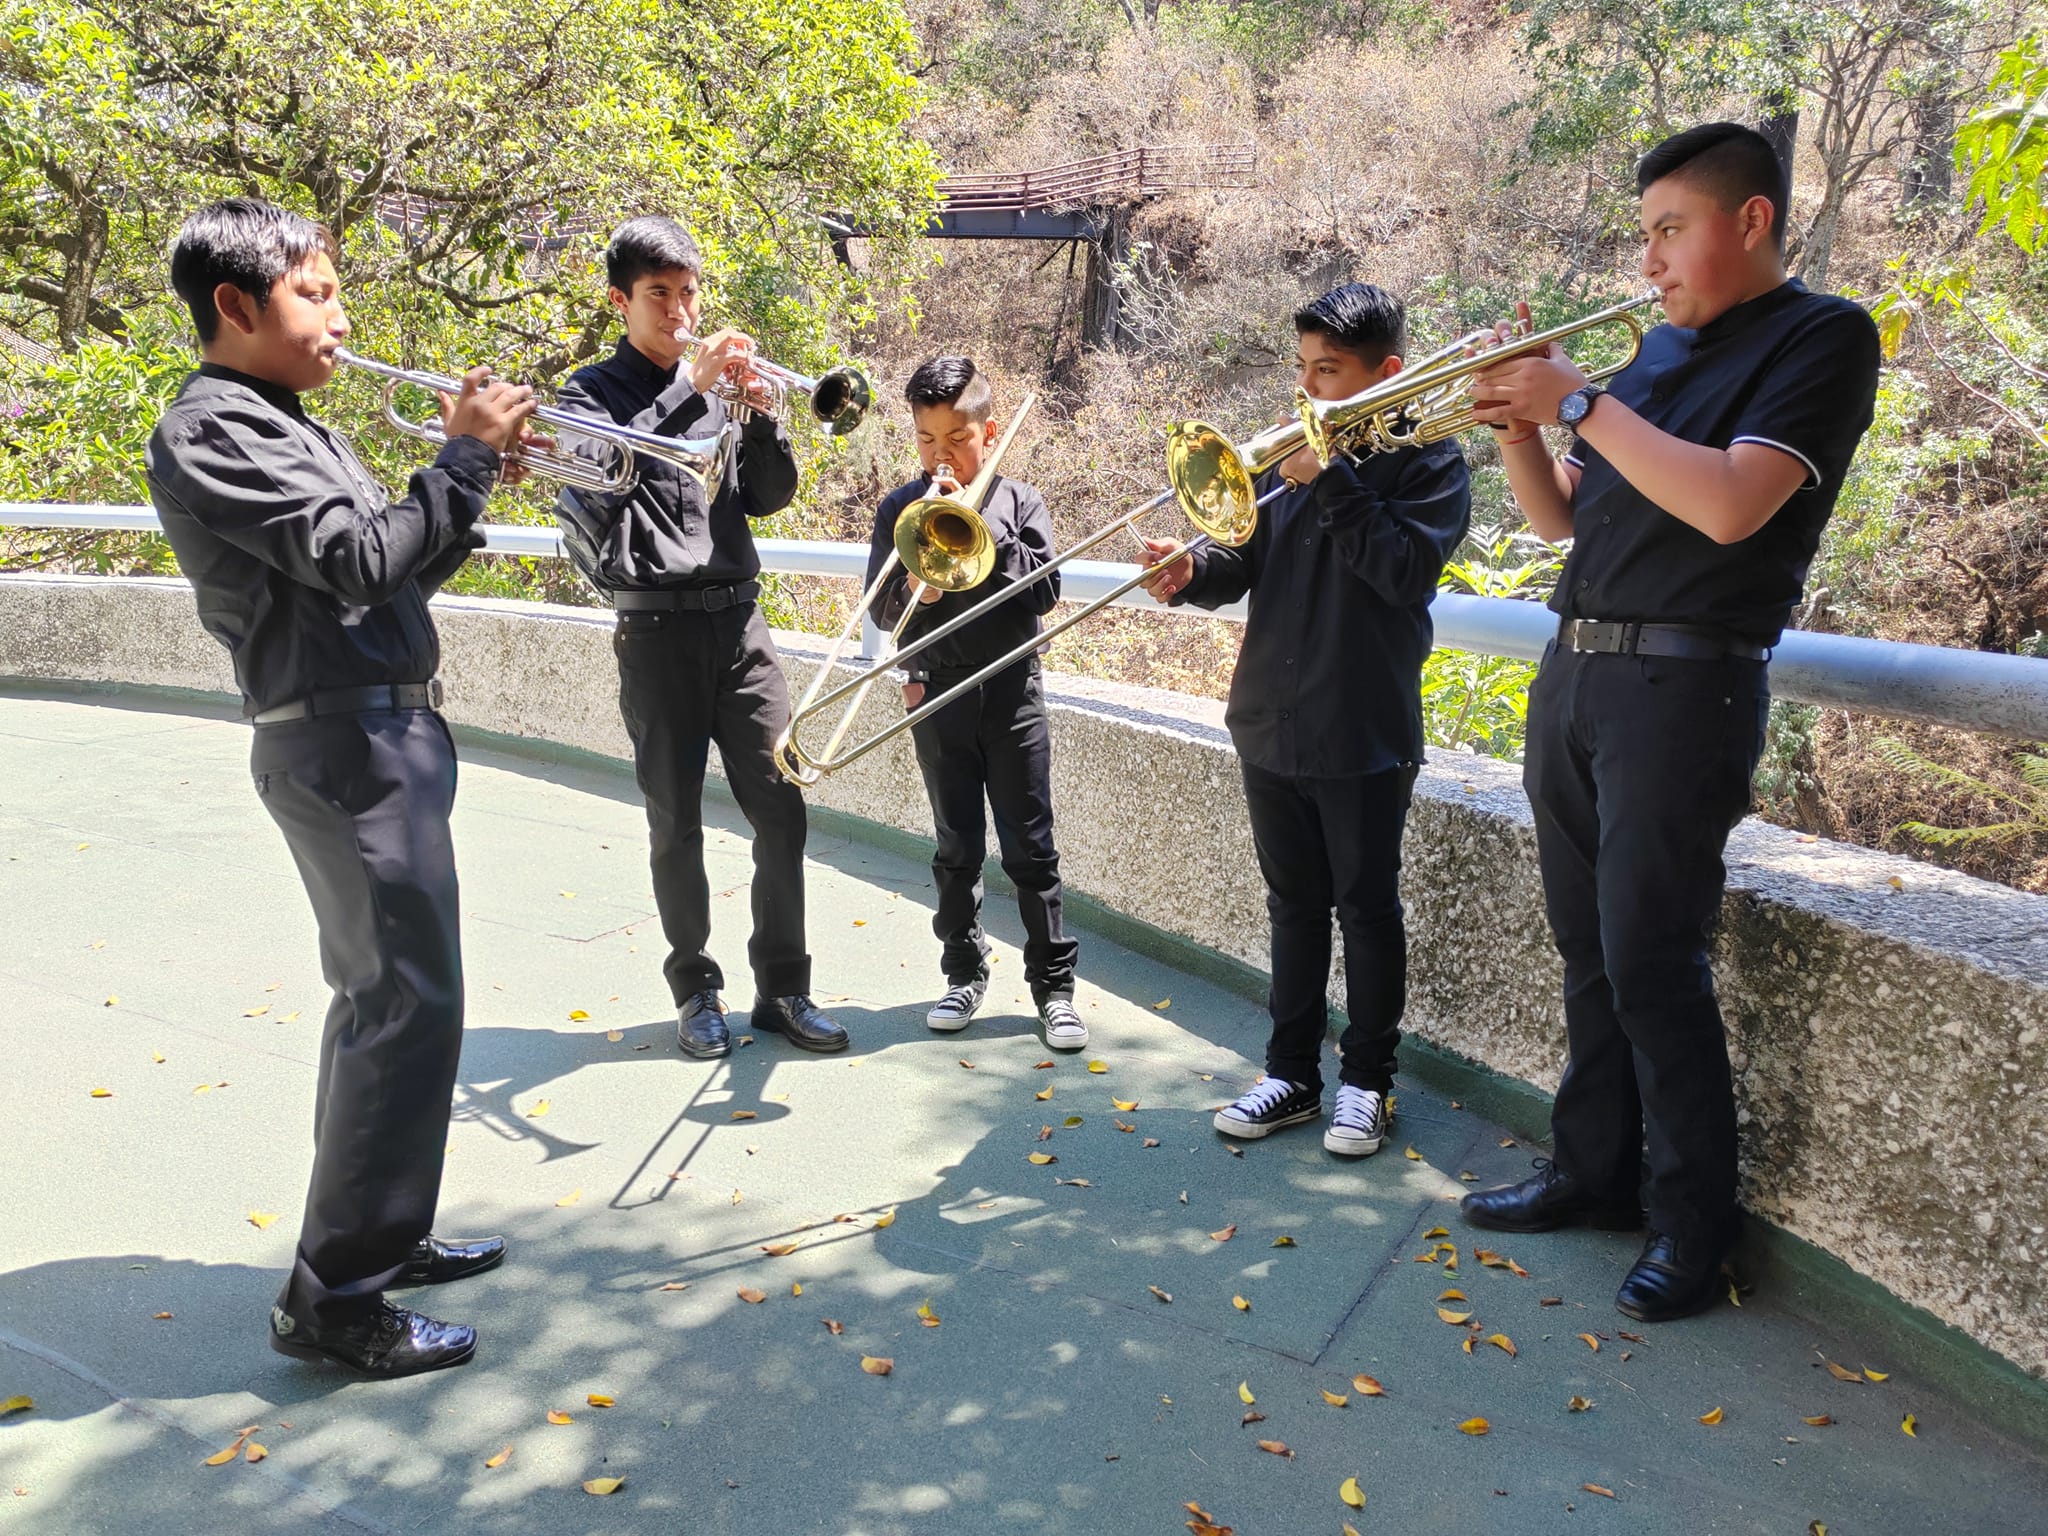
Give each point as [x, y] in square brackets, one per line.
[1887, 1019]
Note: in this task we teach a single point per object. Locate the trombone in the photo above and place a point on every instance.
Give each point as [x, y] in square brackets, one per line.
[615, 470]
[1231, 525]
[839, 397]
[945, 540]
[1423, 404]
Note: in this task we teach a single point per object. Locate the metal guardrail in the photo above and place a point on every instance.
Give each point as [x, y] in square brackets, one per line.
[1971, 690]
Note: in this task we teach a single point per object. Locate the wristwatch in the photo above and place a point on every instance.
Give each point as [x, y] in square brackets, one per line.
[1573, 408]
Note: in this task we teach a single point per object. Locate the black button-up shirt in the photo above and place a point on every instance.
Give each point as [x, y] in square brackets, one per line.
[304, 569]
[1794, 370]
[660, 533]
[1341, 573]
[1022, 529]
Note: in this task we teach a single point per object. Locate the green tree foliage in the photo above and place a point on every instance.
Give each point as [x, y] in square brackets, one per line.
[471, 156]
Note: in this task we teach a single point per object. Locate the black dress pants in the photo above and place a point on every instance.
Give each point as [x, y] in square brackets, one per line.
[995, 739]
[1323, 844]
[363, 802]
[687, 679]
[1637, 769]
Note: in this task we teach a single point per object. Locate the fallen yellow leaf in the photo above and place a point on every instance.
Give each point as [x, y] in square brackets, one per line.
[1285, 1242]
[157, 1057]
[1164, 1002]
[288, 1018]
[16, 1405]
[540, 1108]
[1503, 1342]
[261, 1219]
[1842, 1372]
[1336, 1399]
[222, 1458]
[1466, 1344]
[1474, 1427]
[1098, 1066]
[102, 1093]
[781, 1250]
[601, 1400]
[1871, 1375]
[860, 922]
[1244, 1393]
[1452, 1296]
[257, 1012]
[1591, 1343]
[885, 1218]
[1240, 1303]
[556, 1416]
[601, 1486]
[160, 1317]
[1351, 1494]
[1712, 1416]
[796, 1288]
[1126, 1105]
[577, 1015]
[1042, 1158]
[112, 1002]
[1435, 1232]
[1820, 1420]
[927, 1316]
[255, 1452]
[615, 1035]
[1454, 1318]
[1071, 1121]
[1044, 1093]
[570, 1198]
[1412, 1155]
[1907, 1425]
[750, 1296]
[877, 1365]
[500, 1459]
[1367, 1387]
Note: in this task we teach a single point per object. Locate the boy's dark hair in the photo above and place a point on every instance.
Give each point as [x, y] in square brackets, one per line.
[1362, 318]
[650, 243]
[953, 381]
[1726, 160]
[244, 241]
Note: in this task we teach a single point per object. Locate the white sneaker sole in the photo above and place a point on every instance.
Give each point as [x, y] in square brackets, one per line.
[1249, 1130]
[948, 1023]
[1067, 1040]
[1349, 1143]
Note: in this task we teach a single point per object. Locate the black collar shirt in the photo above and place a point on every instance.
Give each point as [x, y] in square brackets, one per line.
[1793, 370]
[304, 569]
[661, 533]
[1341, 573]
[1022, 530]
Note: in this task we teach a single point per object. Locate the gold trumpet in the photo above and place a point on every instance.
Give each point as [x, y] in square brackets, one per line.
[1232, 526]
[1422, 404]
[945, 541]
[615, 469]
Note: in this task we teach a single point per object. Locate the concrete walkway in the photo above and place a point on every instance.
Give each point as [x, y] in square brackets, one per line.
[160, 949]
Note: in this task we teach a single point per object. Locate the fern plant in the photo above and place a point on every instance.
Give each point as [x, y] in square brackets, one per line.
[2027, 804]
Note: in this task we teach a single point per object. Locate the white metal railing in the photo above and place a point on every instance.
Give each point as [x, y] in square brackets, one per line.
[1971, 690]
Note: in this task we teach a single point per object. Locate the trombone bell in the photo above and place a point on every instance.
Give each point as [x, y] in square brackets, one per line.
[945, 544]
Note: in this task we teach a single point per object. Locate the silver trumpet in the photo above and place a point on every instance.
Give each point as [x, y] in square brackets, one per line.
[611, 469]
[839, 397]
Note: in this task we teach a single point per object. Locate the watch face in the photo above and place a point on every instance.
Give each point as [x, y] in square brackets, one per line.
[1571, 410]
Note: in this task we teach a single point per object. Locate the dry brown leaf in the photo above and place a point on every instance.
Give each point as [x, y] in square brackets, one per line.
[1605, 1493]
[677, 1285]
[1042, 1158]
[1075, 1183]
[1474, 1427]
[1489, 1258]
[556, 1416]
[1240, 1303]
[1579, 1404]
[1633, 1338]
[1468, 1176]
[877, 1365]
[781, 1250]
[1351, 1494]
[927, 1316]
[1162, 1295]
[967, 1064]
[1591, 1343]
[1225, 1235]
[500, 1459]
[1276, 1448]
[1517, 1271]
[1367, 1387]
[1820, 1420]
[1551, 1301]
[1254, 1417]
[1456, 1319]
[255, 1451]
[1842, 1373]
[615, 1035]
[1151, 1141]
[833, 1326]
[745, 1114]
[1502, 1342]
[1711, 1416]
[1201, 1528]
[1336, 1399]
[750, 1296]
[1045, 1133]
[1041, 1066]
[602, 1487]
[1197, 1511]
[1123, 1125]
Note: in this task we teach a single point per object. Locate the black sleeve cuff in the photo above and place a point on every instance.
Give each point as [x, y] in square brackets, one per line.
[471, 458]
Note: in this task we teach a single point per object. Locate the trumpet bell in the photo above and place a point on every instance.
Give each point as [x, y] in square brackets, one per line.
[945, 543]
[1211, 482]
[841, 399]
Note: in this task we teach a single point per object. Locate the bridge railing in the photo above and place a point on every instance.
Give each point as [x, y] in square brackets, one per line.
[1116, 177]
[1970, 690]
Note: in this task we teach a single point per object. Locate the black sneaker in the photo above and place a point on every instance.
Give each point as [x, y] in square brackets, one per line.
[961, 1002]
[1358, 1124]
[1064, 1030]
[1271, 1104]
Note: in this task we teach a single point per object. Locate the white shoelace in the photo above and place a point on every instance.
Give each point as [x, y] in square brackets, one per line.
[1062, 1018]
[1355, 1109]
[960, 999]
[1262, 1096]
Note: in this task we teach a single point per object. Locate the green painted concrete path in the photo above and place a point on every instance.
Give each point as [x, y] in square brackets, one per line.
[159, 948]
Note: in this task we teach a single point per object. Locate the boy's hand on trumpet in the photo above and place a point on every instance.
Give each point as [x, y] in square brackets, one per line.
[717, 354]
[492, 412]
[1518, 396]
[517, 470]
[1173, 575]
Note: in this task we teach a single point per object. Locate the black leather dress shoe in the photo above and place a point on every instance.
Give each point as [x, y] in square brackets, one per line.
[1670, 1280]
[434, 1262]
[388, 1343]
[802, 1022]
[1545, 1201]
[700, 1027]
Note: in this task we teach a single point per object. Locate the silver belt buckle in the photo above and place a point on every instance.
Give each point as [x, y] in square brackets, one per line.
[435, 693]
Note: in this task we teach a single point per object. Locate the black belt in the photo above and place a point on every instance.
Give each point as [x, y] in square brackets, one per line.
[354, 701]
[687, 599]
[1694, 642]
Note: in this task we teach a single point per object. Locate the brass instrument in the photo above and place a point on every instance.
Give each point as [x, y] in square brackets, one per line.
[806, 768]
[612, 473]
[1425, 403]
[839, 397]
[945, 541]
